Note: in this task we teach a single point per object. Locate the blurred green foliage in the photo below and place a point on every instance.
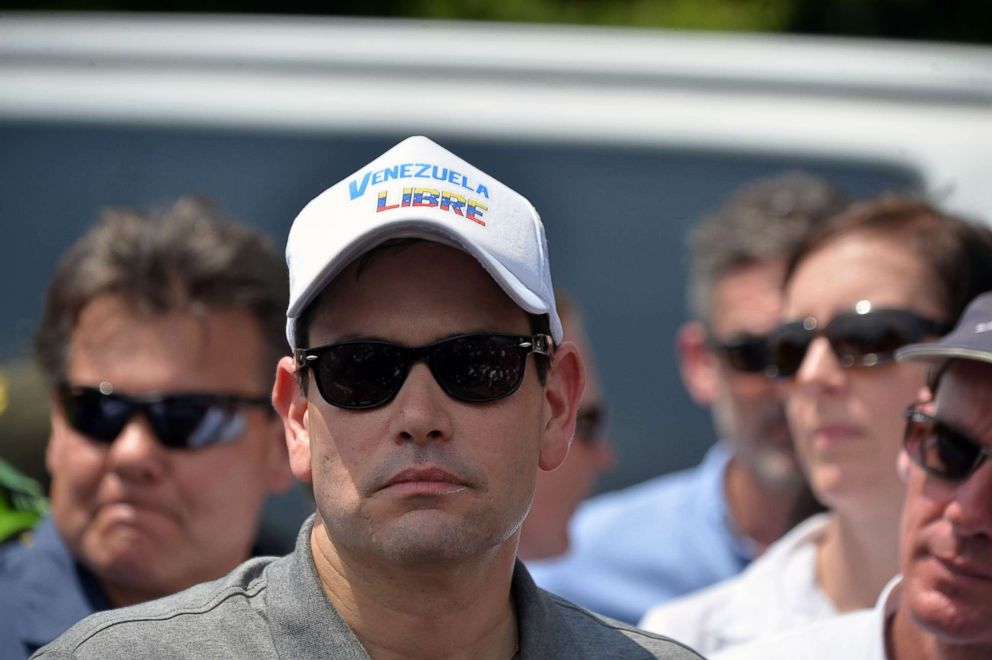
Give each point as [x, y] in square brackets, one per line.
[945, 20]
[24, 418]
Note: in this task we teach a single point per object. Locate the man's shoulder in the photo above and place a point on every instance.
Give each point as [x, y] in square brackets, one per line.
[693, 613]
[214, 617]
[647, 543]
[644, 501]
[34, 559]
[778, 589]
[602, 637]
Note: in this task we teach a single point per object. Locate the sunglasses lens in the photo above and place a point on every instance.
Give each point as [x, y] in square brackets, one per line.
[788, 346]
[479, 368]
[750, 355]
[101, 417]
[360, 374]
[194, 422]
[941, 451]
[873, 337]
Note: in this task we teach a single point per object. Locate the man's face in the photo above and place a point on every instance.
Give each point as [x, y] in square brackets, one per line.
[425, 478]
[946, 549]
[149, 520]
[747, 408]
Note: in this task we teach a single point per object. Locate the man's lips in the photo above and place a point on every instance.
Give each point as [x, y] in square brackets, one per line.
[960, 567]
[424, 481]
[136, 509]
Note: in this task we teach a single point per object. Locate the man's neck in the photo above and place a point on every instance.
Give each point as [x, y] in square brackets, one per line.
[460, 612]
[758, 512]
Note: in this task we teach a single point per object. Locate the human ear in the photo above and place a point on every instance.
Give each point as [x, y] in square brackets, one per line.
[697, 363]
[56, 436]
[566, 382]
[292, 406]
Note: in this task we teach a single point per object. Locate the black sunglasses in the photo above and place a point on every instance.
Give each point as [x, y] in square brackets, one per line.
[590, 424]
[180, 421]
[474, 368]
[744, 353]
[858, 338]
[939, 449]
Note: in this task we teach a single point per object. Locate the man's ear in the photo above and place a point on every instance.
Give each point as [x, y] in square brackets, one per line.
[566, 382]
[57, 431]
[292, 406]
[279, 475]
[697, 363]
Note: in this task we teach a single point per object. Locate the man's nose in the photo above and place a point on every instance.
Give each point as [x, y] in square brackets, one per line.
[970, 509]
[136, 454]
[421, 409]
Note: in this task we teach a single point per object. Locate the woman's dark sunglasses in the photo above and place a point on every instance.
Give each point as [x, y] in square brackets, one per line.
[746, 353]
[179, 421]
[474, 368]
[858, 339]
[941, 450]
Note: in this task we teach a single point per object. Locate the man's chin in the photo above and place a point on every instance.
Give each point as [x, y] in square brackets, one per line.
[430, 541]
[779, 471]
[125, 549]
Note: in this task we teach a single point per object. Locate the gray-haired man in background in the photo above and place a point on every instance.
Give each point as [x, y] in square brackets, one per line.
[674, 534]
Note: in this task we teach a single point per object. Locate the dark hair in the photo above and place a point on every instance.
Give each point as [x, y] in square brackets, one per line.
[189, 257]
[539, 323]
[766, 219]
[957, 252]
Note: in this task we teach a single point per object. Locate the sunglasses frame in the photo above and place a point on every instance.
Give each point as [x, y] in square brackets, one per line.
[918, 325]
[917, 418]
[308, 357]
[144, 404]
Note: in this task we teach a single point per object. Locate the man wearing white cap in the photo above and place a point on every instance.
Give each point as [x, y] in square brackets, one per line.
[940, 608]
[428, 384]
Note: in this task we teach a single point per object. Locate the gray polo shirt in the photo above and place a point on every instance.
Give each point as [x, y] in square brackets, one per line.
[275, 608]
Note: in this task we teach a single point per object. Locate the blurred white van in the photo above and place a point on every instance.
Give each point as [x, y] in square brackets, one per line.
[620, 137]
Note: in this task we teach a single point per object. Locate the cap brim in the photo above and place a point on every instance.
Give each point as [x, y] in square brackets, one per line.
[417, 226]
[934, 353]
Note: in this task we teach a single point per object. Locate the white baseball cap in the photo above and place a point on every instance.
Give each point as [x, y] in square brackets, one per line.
[418, 189]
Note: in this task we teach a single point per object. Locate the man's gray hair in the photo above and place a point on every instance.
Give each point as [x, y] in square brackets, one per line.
[766, 219]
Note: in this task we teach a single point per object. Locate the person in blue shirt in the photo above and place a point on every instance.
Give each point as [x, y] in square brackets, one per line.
[677, 533]
[158, 343]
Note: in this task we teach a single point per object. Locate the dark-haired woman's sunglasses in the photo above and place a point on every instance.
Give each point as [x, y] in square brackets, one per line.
[941, 450]
[179, 421]
[474, 368]
[858, 339]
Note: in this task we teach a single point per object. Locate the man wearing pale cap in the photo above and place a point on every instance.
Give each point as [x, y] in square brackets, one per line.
[940, 607]
[428, 384]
